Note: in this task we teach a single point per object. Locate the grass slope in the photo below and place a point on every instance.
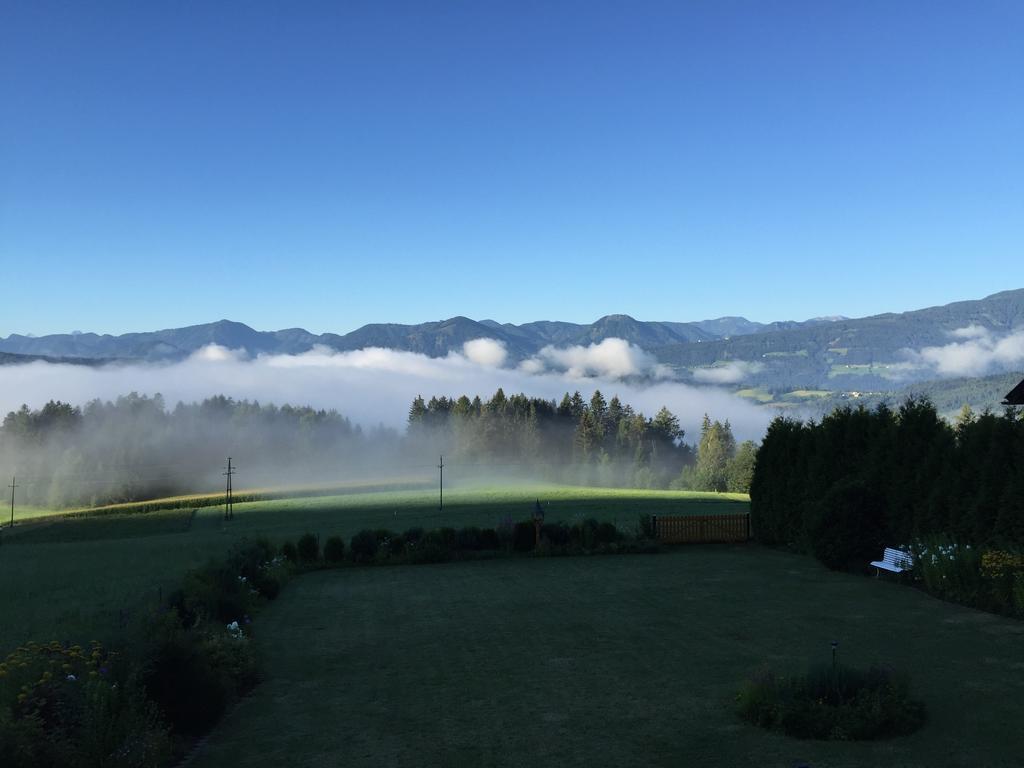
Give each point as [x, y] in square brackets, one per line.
[70, 578]
[607, 661]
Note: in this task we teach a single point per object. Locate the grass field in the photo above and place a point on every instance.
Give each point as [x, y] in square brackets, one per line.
[70, 578]
[630, 660]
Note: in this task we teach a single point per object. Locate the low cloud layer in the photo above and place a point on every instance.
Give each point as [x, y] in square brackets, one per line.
[375, 386]
[976, 352]
[487, 352]
[611, 358]
[730, 373]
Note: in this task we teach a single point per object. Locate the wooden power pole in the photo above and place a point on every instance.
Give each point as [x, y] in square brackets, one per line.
[440, 487]
[12, 486]
[229, 500]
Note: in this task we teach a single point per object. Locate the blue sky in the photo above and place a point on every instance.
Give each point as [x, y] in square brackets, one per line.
[326, 165]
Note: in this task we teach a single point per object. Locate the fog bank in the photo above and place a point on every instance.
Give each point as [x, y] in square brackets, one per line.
[375, 386]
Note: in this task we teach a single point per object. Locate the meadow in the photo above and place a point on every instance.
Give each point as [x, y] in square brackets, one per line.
[630, 660]
[77, 577]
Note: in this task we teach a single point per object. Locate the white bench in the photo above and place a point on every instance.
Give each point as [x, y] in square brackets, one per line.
[895, 560]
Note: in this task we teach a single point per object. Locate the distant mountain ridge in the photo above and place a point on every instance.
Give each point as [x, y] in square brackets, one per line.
[830, 353]
[434, 338]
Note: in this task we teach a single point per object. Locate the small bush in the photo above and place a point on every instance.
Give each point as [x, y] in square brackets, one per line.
[309, 548]
[290, 552]
[524, 537]
[435, 547]
[396, 545]
[556, 534]
[606, 533]
[468, 539]
[583, 535]
[334, 549]
[489, 539]
[412, 536]
[178, 676]
[838, 703]
[364, 546]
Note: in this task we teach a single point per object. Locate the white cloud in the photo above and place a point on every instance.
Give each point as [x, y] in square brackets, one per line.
[215, 353]
[490, 353]
[980, 352]
[375, 386]
[731, 373]
[612, 358]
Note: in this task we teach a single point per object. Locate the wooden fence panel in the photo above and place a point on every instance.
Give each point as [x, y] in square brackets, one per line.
[702, 529]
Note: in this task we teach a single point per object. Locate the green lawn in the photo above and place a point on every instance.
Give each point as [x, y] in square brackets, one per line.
[607, 661]
[70, 578]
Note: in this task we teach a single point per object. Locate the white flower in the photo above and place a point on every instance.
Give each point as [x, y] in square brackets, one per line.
[72, 678]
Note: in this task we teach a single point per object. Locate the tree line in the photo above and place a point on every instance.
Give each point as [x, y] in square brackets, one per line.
[136, 448]
[864, 479]
[592, 442]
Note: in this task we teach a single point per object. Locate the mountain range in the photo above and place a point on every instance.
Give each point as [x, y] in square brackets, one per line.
[433, 338]
[823, 356]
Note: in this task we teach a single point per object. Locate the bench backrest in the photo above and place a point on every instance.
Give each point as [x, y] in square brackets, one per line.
[898, 558]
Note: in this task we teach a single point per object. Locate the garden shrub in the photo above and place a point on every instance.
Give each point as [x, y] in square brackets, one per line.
[1003, 570]
[489, 539]
[180, 678]
[289, 552]
[556, 534]
[838, 703]
[468, 539]
[413, 535]
[334, 549]
[396, 545]
[606, 533]
[215, 591]
[436, 546]
[256, 562]
[584, 533]
[446, 538]
[524, 537]
[308, 548]
[363, 546]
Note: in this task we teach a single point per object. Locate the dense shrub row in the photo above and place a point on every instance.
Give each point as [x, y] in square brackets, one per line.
[861, 480]
[443, 544]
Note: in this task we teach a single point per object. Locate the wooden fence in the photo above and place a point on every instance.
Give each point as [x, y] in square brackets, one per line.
[701, 529]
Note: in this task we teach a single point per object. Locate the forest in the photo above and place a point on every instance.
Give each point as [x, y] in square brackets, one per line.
[135, 447]
[595, 442]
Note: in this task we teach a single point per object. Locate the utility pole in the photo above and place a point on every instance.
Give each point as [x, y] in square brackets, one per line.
[440, 486]
[229, 501]
[12, 486]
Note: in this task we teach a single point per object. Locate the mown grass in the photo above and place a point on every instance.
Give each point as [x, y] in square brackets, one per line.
[632, 660]
[74, 578]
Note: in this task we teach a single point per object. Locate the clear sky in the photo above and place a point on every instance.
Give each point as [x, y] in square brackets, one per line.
[331, 164]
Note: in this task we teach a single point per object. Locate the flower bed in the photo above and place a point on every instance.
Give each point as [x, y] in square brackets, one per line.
[835, 702]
